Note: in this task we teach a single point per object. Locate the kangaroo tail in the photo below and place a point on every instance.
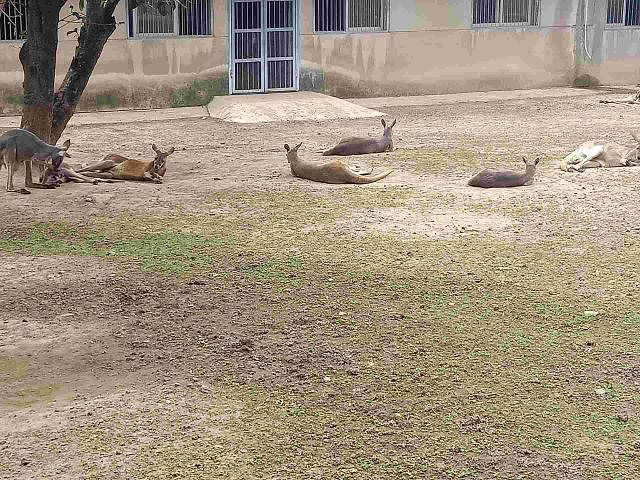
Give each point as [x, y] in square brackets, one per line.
[368, 179]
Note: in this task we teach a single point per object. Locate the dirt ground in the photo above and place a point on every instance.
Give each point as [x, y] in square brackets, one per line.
[236, 322]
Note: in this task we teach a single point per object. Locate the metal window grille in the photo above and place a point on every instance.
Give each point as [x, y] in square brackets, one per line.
[13, 19]
[351, 15]
[506, 12]
[156, 18]
[623, 12]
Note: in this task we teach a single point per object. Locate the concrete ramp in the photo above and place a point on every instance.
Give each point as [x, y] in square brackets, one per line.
[276, 107]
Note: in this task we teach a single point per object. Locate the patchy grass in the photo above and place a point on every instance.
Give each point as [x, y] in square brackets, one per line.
[387, 357]
[11, 369]
[31, 395]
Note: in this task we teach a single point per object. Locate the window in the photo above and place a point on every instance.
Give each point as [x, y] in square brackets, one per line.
[351, 15]
[13, 19]
[157, 18]
[506, 12]
[623, 12]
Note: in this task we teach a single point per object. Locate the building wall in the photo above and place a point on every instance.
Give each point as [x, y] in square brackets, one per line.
[431, 47]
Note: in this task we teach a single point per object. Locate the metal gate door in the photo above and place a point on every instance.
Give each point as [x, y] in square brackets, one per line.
[263, 46]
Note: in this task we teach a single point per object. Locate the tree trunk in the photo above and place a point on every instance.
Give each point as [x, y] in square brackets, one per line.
[98, 26]
[38, 58]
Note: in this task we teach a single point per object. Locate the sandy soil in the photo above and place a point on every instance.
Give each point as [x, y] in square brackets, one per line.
[102, 366]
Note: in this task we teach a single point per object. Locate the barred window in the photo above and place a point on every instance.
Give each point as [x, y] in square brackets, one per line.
[13, 19]
[506, 12]
[156, 18]
[351, 15]
[623, 12]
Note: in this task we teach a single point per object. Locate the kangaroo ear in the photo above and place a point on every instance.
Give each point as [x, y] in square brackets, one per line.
[155, 149]
[524, 159]
[66, 154]
[537, 161]
[287, 147]
[384, 124]
[171, 150]
[394, 123]
[66, 145]
[297, 146]
[635, 137]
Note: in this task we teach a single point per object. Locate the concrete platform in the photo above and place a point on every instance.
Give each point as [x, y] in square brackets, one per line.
[290, 106]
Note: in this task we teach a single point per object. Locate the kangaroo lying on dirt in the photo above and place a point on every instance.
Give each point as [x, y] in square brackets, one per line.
[594, 154]
[59, 172]
[633, 99]
[329, 172]
[361, 145]
[122, 168]
[20, 147]
[500, 178]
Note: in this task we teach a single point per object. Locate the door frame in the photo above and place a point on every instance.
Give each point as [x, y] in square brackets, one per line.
[264, 62]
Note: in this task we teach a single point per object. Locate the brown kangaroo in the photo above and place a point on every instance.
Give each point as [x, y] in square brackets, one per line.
[329, 172]
[122, 168]
[361, 145]
[501, 178]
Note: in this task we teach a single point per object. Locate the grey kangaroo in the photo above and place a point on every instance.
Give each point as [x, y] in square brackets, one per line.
[501, 178]
[362, 145]
[19, 146]
[329, 172]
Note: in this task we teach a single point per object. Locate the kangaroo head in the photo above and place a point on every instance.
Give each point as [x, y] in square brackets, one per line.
[54, 155]
[292, 153]
[531, 163]
[387, 129]
[160, 162]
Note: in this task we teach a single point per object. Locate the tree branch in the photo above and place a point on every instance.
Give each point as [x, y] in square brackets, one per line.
[98, 26]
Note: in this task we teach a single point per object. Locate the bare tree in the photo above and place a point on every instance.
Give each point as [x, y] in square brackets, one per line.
[45, 112]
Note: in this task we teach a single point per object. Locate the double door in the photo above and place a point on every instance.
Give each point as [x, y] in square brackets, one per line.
[263, 46]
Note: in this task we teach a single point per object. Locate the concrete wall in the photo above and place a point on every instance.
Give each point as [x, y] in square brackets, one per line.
[612, 54]
[431, 47]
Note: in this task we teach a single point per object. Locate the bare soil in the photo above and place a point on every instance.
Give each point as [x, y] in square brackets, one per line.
[236, 322]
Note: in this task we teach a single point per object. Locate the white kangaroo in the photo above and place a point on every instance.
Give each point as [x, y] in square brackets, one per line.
[594, 154]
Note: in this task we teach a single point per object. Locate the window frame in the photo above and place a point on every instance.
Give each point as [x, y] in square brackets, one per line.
[385, 18]
[22, 32]
[621, 25]
[132, 25]
[500, 14]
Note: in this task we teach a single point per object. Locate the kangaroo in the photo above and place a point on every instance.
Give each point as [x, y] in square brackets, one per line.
[594, 154]
[633, 99]
[329, 172]
[122, 168]
[501, 178]
[361, 145]
[19, 146]
[59, 172]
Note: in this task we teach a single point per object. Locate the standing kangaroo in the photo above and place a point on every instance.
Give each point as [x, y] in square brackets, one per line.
[122, 168]
[329, 172]
[501, 178]
[19, 146]
[362, 145]
[594, 154]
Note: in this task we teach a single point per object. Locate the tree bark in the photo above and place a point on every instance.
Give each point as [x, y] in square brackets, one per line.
[38, 58]
[98, 26]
